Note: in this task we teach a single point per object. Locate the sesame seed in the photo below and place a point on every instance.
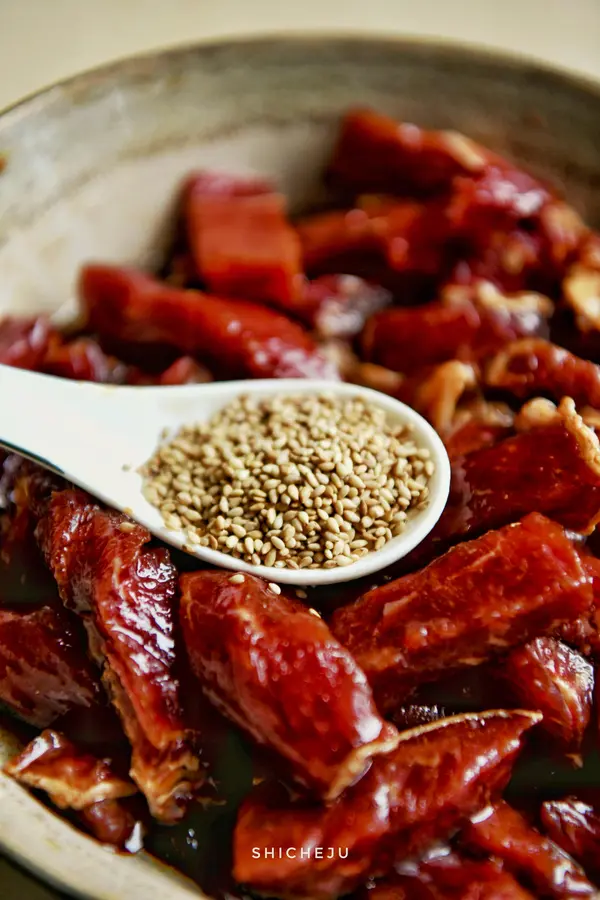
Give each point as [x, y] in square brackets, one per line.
[274, 587]
[291, 481]
[238, 578]
[127, 527]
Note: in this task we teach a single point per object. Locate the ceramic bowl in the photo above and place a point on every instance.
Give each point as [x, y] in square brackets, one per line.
[91, 171]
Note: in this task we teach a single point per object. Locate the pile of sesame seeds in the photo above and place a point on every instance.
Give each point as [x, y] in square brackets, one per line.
[300, 481]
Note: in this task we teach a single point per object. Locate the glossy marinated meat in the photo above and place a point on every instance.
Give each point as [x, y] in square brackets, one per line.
[534, 367]
[549, 676]
[503, 832]
[447, 875]
[274, 668]
[83, 360]
[237, 338]
[185, 370]
[463, 236]
[402, 235]
[72, 778]
[415, 237]
[44, 672]
[393, 338]
[418, 793]
[114, 822]
[437, 279]
[553, 469]
[337, 306]
[477, 191]
[574, 826]
[24, 341]
[339, 240]
[477, 425]
[584, 632]
[180, 269]
[511, 259]
[500, 196]
[243, 246]
[478, 600]
[465, 324]
[77, 780]
[125, 593]
[375, 153]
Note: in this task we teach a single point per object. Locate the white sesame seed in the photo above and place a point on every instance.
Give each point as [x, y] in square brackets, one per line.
[292, 481]
[127, 527]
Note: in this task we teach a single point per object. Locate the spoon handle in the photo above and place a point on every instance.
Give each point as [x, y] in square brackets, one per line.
[53, 422]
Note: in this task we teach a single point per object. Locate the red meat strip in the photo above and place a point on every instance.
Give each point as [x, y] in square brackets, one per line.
[494, 197]
[77, 780]
[44, 672]
[126, 592]
[337, 306]
[236, 337]
[207, 183]
[548, 676]
[574, 826]
[584, 632]
[553, 469]
[274, 668]
[83, 360]
[476, 601]
[512, 259]
[184, 370]
[406, 340]
[180, 269]
[466, 325]
[404, 235]
[377, 154]
[73, 779]
[417, 793]
[243, 246]
[532, 367]
[337, 238]
[448, 875]
[113, 822]
[23, 342]
[478, 425]
[503, 832]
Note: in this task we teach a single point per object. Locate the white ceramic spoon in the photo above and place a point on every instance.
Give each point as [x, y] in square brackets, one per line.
[97, 436]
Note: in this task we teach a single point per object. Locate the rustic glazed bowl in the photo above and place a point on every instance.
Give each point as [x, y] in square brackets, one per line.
[91, 171]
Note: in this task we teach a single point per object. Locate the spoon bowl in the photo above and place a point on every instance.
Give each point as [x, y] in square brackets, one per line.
[99, 436]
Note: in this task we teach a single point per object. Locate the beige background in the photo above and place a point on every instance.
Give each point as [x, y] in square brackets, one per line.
[44, 40]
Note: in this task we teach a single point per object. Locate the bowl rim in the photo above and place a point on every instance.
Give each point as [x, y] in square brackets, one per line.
[448, 48]
[453, 49]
